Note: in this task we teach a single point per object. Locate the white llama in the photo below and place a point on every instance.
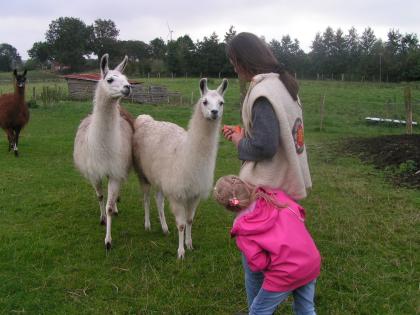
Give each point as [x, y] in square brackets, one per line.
[179, 164]
[102, 148]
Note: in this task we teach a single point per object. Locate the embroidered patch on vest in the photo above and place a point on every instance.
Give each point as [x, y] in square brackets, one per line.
[297, 133]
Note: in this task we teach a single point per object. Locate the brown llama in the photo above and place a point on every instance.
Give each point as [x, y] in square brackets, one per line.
[14, 113]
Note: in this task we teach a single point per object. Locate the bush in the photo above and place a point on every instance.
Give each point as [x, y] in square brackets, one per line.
[32, 104]
[51, 95]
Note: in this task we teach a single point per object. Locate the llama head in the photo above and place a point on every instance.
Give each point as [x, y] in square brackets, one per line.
[114, 83]
[20, 79]
[211, 102]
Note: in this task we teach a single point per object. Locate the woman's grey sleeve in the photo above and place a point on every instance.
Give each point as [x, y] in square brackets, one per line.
[265, 133]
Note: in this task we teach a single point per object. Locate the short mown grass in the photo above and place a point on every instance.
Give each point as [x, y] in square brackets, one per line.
[53, 261]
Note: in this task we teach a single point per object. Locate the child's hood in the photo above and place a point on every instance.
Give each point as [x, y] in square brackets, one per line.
[258, 221]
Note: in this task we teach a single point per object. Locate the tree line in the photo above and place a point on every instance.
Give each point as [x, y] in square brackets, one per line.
[333, 55]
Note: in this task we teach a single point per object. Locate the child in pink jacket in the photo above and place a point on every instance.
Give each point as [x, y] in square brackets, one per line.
[270, 232]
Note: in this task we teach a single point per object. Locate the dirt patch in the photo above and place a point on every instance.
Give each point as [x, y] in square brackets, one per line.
[398, 155]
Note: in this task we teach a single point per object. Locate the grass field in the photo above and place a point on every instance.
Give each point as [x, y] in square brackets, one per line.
[52, 258]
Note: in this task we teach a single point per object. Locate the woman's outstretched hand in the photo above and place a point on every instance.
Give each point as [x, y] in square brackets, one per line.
[233, 133]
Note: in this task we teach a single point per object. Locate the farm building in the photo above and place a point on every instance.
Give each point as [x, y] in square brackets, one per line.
[82, 87]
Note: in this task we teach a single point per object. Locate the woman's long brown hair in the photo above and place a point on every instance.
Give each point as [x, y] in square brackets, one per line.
[253, 56]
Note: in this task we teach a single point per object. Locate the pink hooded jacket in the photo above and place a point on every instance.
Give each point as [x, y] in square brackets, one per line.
[276, 242]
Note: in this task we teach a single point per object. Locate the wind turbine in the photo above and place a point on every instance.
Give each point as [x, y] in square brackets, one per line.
[169, 32]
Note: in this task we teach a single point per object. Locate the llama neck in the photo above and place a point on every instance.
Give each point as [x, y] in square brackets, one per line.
[105, 117]
[202, 138]
[20, 92]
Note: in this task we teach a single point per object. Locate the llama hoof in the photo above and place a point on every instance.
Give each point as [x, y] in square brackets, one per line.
[108, 245]
[165, 232]
[147, 227]
[189, 245]
[102, 221]
[16, 153]
[181, 253]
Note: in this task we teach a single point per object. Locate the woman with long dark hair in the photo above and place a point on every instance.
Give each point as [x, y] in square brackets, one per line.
[270, 144]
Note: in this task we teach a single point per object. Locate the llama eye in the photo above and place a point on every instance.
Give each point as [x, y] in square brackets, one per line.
[221, 103]
[205, 102]
[110, 80]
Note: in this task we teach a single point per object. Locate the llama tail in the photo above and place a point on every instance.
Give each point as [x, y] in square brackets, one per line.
[141, 120]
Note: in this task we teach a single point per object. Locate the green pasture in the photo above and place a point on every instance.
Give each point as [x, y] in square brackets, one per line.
[52, 256]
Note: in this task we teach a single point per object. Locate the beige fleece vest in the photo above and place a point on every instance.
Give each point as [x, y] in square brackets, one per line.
[288, 169]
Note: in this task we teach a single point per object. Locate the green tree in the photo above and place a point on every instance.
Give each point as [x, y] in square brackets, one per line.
[289, 53]
[138, 53]
[352, 42]
[69, 39]
[339, 53]
[230, 34]
[104, 39]
[158, 48]
[317, 55]
[211, 56]
[410, 53]
[185, 52]
[367, 41]
[393, 55]
[9, 57]
[40, 52]
[369, 62]
[171, 57]
[328, 40]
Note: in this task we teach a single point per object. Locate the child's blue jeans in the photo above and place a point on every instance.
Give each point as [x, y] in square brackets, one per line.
[262, 302]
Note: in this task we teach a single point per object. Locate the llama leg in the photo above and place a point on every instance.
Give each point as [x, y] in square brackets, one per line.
[146, 203]
[116, 206]
[160, 202]
[15, 148]
[113, 190]
[100, 195]
[190, 217]
[10, 138]
[179, 212]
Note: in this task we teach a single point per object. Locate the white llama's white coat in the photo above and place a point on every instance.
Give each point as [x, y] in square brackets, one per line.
[178, 163]
[103, 143]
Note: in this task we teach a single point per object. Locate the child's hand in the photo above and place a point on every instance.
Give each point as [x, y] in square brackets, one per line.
[233, 133]
[227, 131]
[237, 136]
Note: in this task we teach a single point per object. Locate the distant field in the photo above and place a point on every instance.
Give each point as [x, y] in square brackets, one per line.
[52, 258]
[32, 75]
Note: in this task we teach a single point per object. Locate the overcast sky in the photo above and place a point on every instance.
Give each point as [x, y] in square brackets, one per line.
[23, 22]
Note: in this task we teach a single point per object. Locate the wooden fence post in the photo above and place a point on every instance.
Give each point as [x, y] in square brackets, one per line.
[321, 112]
[408, 111]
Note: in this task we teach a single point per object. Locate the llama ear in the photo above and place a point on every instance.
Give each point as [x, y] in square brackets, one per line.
[104, 65]
[203, 86]
[122, 65]
[24, 72]
[15, 73]
[222, 87]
